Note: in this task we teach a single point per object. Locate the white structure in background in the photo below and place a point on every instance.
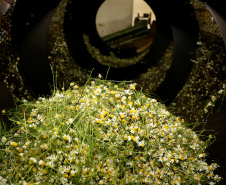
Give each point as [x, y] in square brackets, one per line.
[113, 16]
[140, 7]
[116, 15]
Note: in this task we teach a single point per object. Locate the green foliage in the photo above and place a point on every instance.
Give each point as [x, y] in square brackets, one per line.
[101, 133]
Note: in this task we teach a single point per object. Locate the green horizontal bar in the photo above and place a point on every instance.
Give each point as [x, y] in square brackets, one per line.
[128, 32]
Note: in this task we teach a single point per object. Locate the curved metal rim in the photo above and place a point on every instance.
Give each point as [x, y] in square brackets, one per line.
[176, 76]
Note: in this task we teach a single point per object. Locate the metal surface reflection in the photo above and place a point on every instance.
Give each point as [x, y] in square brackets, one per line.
[176, 22]
[4, 6]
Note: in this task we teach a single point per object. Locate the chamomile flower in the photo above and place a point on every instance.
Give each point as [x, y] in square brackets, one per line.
[100, 76]
[217, 178]
[42, 163]
[4, 139]
[14, 143]
[133, 86]
[67, 137]
[57, 116]
[73, 172]
[69, 121]
[98, 91]
[141, 143]
[197, 177]
[32, 160]
[103, 133]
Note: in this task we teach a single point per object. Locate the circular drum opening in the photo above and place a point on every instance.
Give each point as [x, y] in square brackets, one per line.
[126, 25]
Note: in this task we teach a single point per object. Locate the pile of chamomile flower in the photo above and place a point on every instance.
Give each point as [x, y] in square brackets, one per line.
[101, 133]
